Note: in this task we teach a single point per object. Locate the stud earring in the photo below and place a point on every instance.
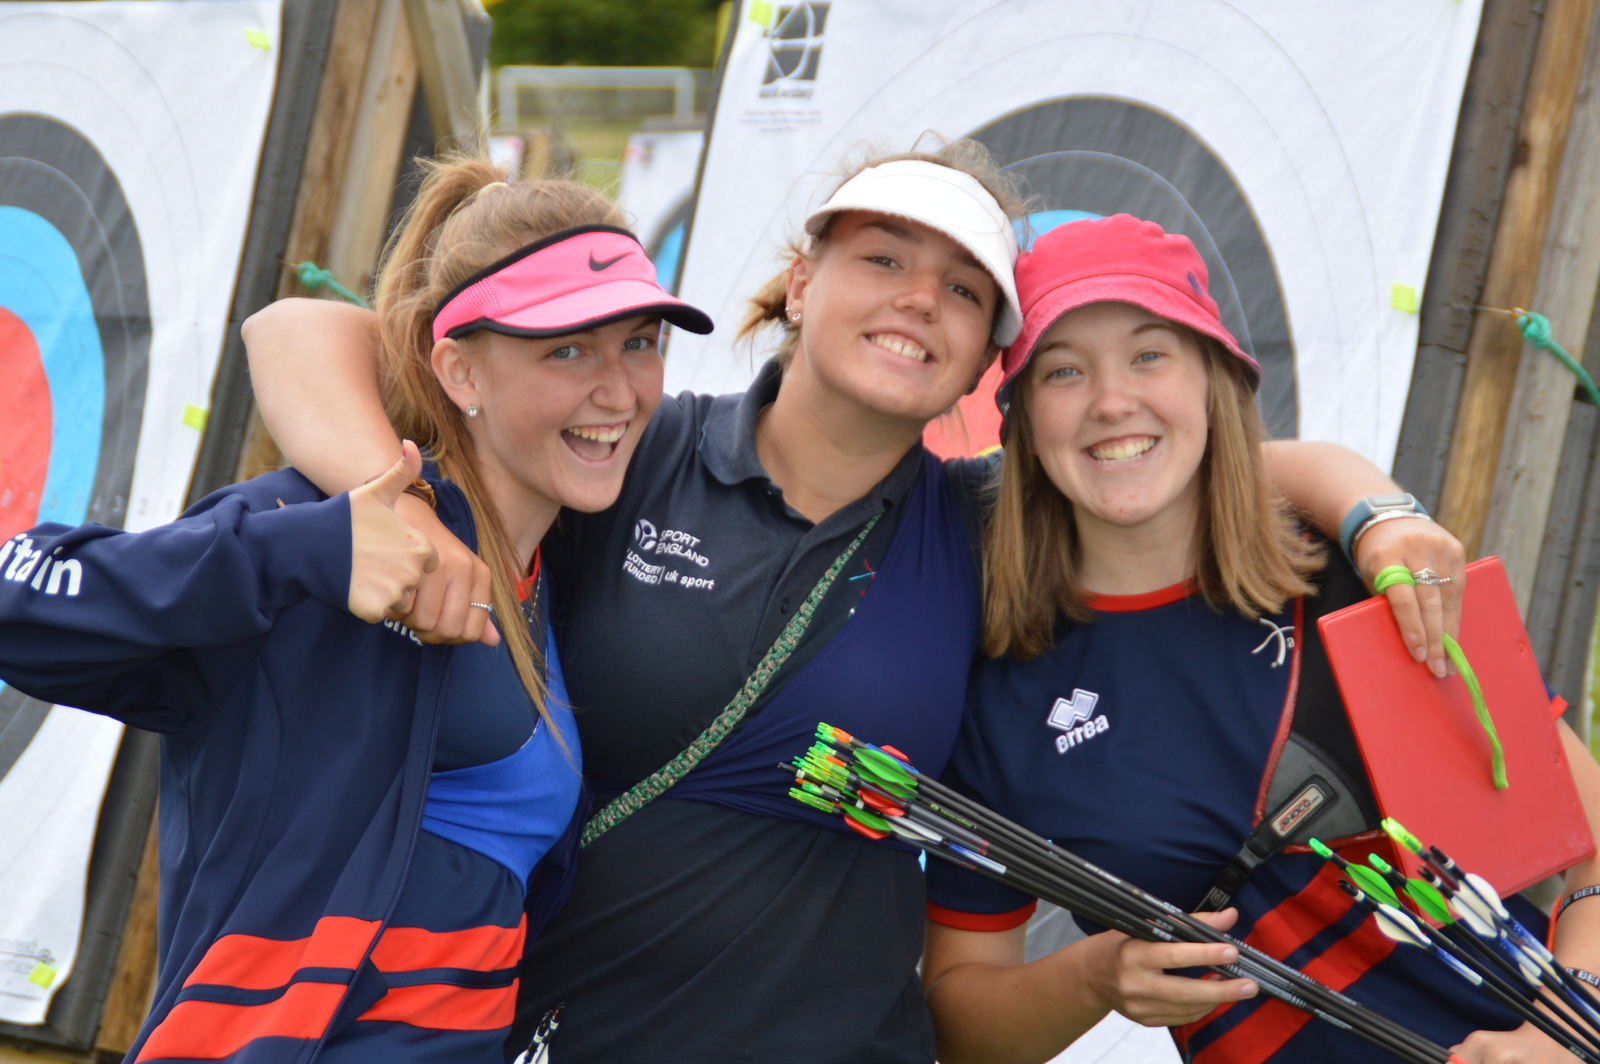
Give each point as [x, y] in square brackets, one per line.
[794, 316]
[472, 411]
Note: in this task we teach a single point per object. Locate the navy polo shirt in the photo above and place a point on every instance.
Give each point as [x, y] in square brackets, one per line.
[694, 931]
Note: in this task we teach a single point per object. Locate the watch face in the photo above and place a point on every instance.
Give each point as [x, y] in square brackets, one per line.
[1391, 502]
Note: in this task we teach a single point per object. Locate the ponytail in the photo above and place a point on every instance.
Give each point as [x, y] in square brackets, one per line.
[463, 219]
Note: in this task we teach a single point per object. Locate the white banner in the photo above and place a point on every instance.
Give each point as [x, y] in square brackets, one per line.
[1303, 146]
[130, 134]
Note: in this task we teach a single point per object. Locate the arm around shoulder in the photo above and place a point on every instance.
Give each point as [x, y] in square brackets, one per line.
[314, 366]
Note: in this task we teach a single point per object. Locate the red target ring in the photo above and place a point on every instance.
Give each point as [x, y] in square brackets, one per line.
[25, 423]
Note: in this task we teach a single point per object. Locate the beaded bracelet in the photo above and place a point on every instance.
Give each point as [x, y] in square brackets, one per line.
[1588, 977]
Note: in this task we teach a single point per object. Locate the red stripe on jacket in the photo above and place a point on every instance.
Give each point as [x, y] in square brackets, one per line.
[263, 963]
[482, 949]
[209, 1030]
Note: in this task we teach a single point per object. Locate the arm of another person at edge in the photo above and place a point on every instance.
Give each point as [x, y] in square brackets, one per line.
[314, 366]
[989, 1006]
[1577, 943]
[1324, 481]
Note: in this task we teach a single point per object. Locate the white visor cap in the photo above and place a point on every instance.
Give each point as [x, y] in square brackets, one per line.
[946, 200]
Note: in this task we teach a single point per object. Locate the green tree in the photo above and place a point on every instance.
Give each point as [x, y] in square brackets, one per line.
[604, 32]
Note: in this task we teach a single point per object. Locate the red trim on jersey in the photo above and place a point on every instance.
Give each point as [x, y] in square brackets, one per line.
[447, 1008]
[1286, 722]
[1147, 600]
[262, 963]
[481, 949]
[207, 1030]
[1558, 706]
[981, 921]
[525, 588]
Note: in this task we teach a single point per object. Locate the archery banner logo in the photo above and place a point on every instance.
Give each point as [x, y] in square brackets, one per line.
[1076, 719]
[794, 42]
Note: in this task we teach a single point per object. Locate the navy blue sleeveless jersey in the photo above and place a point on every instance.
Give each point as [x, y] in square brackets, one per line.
[1140, 742]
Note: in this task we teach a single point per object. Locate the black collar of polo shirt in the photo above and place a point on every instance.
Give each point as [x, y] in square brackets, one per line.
[728, 442]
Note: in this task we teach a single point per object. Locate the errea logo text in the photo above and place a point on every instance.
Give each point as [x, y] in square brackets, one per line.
[21, 564]
[1075, 717]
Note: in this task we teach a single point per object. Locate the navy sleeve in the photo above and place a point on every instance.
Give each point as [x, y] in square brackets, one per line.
[97, 618]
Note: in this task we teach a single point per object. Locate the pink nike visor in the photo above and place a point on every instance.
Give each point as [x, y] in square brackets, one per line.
[568, 282]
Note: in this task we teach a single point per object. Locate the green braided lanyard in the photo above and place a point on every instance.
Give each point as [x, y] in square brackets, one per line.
[1399, 574]
[657, 783]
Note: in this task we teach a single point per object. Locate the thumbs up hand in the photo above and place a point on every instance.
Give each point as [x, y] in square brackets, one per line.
[388, 557]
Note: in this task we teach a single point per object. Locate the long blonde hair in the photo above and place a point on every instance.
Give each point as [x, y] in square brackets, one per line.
[463, 219]
[1248, 554]
[768, 308]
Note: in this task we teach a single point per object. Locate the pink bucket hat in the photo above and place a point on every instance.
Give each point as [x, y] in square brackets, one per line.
[1119, 259]
[570, 281]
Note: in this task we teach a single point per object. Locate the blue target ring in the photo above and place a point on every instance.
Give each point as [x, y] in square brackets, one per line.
[41, 283]
[72, 272]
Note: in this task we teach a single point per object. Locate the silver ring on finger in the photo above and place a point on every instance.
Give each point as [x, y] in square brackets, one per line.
[488, 606]
[1428, 578]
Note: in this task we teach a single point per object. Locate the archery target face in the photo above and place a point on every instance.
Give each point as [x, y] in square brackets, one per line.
[1303, 146]
[129, 138]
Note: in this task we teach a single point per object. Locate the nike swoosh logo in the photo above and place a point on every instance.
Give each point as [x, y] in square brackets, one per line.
[598, 266]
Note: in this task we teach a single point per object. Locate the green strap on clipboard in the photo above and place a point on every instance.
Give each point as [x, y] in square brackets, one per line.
[1399, 574]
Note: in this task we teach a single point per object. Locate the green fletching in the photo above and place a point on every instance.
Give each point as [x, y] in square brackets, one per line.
[819, 804]
[1373, 884]
[1379, 863]
[1320, 849]
[1397, 831]
[871, 820]
[884, 763]
[1430, 901]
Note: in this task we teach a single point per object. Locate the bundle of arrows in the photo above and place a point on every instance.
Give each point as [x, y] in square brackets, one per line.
[881, 795]
[1477, 938]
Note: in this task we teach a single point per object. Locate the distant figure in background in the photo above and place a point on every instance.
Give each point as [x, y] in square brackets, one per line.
[359, 832]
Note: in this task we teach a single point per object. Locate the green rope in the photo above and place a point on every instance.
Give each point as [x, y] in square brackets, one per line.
[659, 782]
[1536, 329]
[314, 277]
[1399, 574]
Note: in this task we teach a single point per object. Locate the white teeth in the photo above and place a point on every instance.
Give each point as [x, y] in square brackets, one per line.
[602, 435]
[900, 347]
[1122, 450]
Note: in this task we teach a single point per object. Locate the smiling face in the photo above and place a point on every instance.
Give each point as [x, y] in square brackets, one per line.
[558, 418]
[1117, 399]
[895, 317]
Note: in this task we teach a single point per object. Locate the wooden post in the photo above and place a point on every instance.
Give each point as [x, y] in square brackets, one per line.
[134, 981]
[1494, 347]
[361, 215]
[444, 64]
[1541, 398]
[327, 157]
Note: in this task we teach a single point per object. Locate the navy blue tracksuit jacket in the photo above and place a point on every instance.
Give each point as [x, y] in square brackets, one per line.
[296, 751]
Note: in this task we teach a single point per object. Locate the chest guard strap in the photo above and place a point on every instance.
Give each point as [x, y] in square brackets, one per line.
[1317, 786]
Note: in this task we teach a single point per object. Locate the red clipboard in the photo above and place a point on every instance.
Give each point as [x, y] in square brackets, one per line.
[1427, 756]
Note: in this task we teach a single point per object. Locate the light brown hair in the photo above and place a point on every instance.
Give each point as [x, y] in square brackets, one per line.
[455, 227]
[769, 306]
[1248, 554]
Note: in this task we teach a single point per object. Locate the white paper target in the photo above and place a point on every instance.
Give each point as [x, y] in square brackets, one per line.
[1330, 125]
[130, 134]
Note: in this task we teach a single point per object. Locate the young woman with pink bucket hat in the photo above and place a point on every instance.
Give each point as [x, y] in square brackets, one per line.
[1142, 572]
